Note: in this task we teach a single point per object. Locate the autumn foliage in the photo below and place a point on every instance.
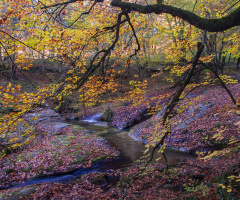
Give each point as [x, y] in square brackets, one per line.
[109, 55]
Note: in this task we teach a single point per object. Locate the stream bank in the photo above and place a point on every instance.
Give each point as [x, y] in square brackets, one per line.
[62, 156]
[58, 148]
[156, 183]
[199, 116]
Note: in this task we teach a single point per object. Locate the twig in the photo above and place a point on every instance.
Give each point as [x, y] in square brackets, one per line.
[84, 13]
[194, 5]
[199, 86]
[222, 83]
[135, 36]
[169, 109]
[23, 43]
[34, 87]
[59, 4]
[230, 7]
[51, 15]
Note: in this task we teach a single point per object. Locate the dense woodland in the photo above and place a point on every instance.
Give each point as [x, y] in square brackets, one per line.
[167, 71]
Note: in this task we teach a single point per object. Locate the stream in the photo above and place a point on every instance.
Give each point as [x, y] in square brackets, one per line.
[130, 150]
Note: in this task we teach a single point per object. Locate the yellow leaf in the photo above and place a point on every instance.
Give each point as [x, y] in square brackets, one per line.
[238, 112]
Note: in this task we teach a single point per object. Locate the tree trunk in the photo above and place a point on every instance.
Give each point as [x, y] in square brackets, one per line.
[223, 63]
[13, 66]
[238, 63]
[42, 67]
[197, 75]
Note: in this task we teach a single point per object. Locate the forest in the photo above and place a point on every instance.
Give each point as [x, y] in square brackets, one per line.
[119, 99]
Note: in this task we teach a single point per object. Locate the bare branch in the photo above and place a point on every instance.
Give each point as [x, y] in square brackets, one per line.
[135, 36]
[13, 38]
[169, 109]
[14, 64]
[84, 13]
[231, 7]
[222, 83]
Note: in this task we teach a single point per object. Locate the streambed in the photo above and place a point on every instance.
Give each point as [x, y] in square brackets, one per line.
[131, 150]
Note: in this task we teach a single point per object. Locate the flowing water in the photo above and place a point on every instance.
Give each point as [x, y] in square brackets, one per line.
[130, 149]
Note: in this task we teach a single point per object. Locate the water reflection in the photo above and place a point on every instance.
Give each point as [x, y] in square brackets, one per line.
[131, 149]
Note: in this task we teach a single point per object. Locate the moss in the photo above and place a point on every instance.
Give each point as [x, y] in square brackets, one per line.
[24, 156]
[75, 152]
[144, 137]
[107, 116]
[100, 158]
[76, 127]
[69, 138]
[218, 125]
[125, 180]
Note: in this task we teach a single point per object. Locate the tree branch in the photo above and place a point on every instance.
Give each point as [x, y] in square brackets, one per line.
[211, 25]
[222, 83]
[13, 38]
[84, 13]
[66, 3]
[59, 4]
[170, 107]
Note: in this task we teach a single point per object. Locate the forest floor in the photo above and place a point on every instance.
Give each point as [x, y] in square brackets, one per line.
[217, 122]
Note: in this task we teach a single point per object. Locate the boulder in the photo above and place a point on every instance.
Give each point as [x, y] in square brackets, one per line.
[43, 115]
[180, 134]
[130, 118]
[46, 120]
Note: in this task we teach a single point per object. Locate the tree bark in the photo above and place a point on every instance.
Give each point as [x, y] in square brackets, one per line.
[211, 25]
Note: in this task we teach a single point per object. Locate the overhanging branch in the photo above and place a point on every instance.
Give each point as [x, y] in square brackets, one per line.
[211, 25]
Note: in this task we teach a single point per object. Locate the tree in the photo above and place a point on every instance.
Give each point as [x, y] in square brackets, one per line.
[94, 38]
[90, 58]
[211, 25]
[126, 17]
